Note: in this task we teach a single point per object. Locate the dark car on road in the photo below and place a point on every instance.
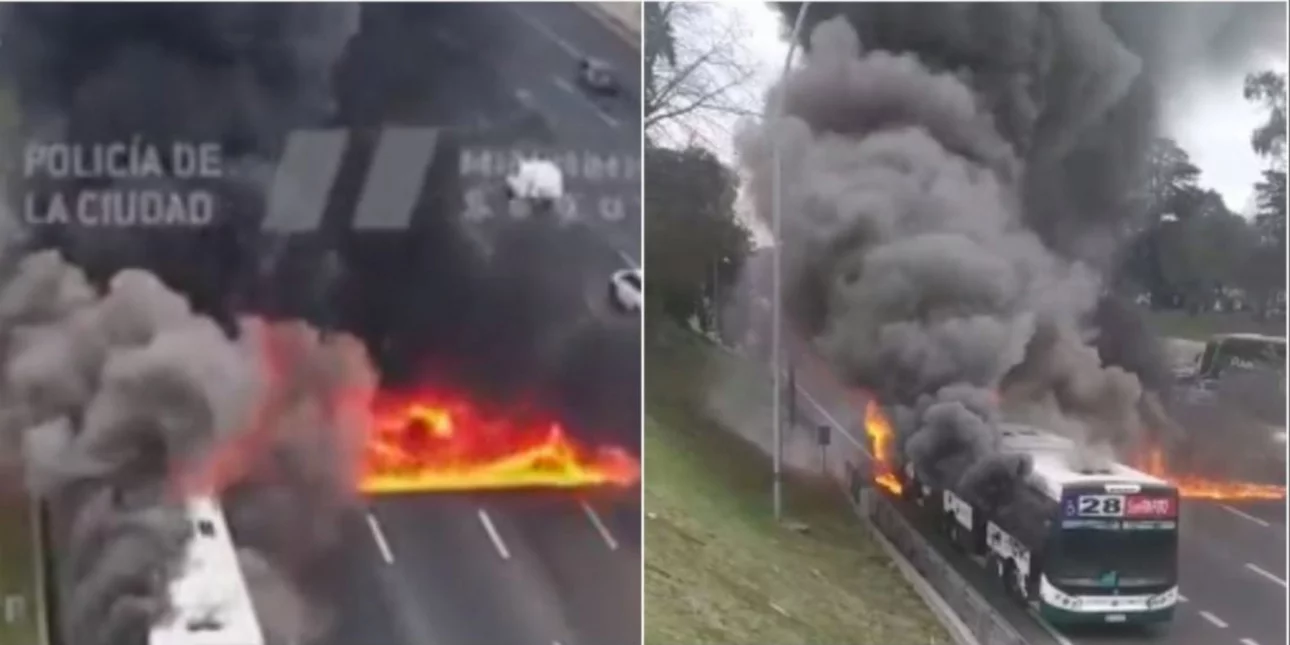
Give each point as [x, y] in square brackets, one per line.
[599, 78]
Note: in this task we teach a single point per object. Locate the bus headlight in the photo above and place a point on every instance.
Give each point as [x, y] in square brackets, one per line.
[1165, 599]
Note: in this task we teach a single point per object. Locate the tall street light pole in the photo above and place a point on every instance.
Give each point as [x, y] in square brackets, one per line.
[777, 283]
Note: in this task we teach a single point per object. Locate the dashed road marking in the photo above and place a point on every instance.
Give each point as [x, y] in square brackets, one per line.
[1213, 620]
[1255, 568]
[568, 87]
[1243, 515]
[494, 535]
[631, 262]
[1182, 598]
[600, 526]
[550, 35]
[381, 544]
[1249, 641]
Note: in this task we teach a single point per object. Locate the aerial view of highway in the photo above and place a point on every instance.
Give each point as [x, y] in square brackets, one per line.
[510, 566]
[491, 335]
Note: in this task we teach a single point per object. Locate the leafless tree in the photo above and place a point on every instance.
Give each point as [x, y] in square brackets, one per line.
[697, 71]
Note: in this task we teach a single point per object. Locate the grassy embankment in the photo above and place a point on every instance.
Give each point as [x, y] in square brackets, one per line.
[19, 557]
[718, 570]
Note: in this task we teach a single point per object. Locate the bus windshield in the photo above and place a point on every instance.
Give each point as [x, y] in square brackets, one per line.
[1114, 558]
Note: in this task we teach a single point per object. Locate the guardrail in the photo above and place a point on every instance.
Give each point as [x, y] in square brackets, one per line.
[808, 447]
[984, 623]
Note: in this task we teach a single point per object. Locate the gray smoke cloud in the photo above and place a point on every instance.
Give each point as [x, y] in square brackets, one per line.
[1076, 90]
[113, 385]
[236, 76]
[120, 403]
[911, 255]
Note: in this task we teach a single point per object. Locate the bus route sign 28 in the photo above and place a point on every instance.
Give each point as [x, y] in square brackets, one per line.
[1116, 506]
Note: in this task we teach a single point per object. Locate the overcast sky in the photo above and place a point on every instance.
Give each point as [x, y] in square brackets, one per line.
[1212, 123]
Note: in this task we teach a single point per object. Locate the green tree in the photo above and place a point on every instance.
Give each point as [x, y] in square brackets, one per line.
[696, 64]
[694, 245]
[1173, 181]
[1202, 254]
[1169, 193]
[1268, 90]
[1265, 266]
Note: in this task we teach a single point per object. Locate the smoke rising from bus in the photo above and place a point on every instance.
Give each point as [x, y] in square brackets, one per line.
[244, 77]
[122, 404]
[957, 177]
[114, 386]
[912, 256]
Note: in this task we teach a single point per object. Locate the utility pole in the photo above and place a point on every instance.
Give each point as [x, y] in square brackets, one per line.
[777, 288]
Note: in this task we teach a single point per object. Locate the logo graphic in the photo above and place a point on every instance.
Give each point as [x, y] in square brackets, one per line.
[398, 172]
[1140, 506]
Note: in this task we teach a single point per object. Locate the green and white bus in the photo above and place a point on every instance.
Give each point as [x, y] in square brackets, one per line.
[1092, 545]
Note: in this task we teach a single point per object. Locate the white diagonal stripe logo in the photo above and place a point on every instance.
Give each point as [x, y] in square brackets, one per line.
[395, 179]
[303, 180]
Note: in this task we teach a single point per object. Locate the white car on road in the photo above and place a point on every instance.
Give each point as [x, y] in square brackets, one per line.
[626, 291]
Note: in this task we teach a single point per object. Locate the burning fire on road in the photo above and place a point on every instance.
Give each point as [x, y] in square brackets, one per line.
[881, 436]
[430, 440]
[1197, 487]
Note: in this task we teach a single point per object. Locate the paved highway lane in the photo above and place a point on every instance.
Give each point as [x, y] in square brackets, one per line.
[509, 568]
[514, 568]
[1232, 556]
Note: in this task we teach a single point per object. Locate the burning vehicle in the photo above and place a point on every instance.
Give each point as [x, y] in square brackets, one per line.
[280, 376]
[951, 198]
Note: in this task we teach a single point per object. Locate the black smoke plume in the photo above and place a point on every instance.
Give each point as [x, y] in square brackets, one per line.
[956, 177]
[125, 351]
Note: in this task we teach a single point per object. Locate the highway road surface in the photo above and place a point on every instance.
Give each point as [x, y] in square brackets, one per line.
[1232, 556]
[510, 568]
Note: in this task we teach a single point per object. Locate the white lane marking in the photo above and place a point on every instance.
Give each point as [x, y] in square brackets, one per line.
[1182, 598]
[566, 86]
[1249, 641]
[600, 526]
[381, 544]
[1214, 620]
[1265, 574]
[628, 259]
[493, 534]
[1242, 514]
[551, 35]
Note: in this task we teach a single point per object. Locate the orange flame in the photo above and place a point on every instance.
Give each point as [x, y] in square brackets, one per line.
[1194, 487]
[430, 441]
[878, 428]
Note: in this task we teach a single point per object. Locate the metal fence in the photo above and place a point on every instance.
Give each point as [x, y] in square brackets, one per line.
[985, 624]
[823, 435]
[830, 424]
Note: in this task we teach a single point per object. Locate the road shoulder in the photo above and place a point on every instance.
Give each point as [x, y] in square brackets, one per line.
[622, 18]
